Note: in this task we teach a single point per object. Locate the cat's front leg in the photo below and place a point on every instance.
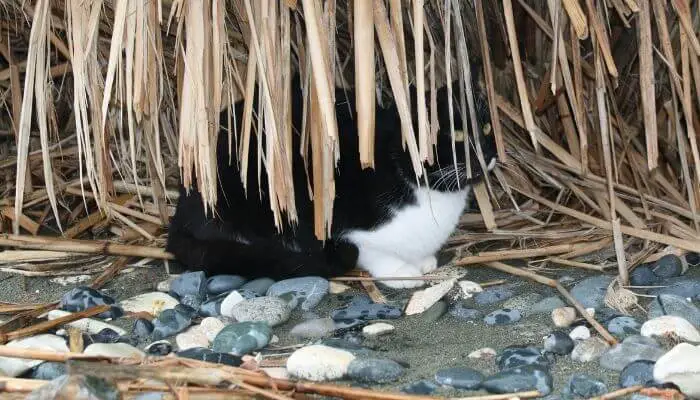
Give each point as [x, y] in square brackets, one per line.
[386, 265]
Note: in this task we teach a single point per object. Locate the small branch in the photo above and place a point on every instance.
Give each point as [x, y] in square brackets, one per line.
[46, 325]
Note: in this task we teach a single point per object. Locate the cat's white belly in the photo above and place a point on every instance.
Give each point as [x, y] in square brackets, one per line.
[415, 232]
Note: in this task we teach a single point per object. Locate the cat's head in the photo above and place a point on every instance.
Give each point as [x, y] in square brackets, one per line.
[449, 170]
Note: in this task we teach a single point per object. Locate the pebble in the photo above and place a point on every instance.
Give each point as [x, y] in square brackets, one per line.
[590, 292]
[559, 342]
[503, 316]
[14, 367]
[668, 266]
[669, 324]
[272, 310]
[374, 370]
[517, 356]
[624, 326]
[622, 354]
[681, 367]
[228, 303]
[106, 335]
[526, 378]
[643, 276]
[142, 329]
[192, 337]
[258, 286]
[79, 387]
[211, 327]
[164, 286]
[190, 288]
[563, 317]
[48, 371]
[219, 284]
[362, 307]
[207, 355]
[423, 300]
[113, 350]
[668, 304]
[211, 307]
[337, 288]
[589, 349]
[377, 329]
[309, 290]
[319, 363]
[523, 302]
[159, 348]
[152, 302]
[242, 338]
[435, 312]
[468, 288]
[82, 298]
[580, 333]
[639, 372]
[485, 353]
[423, 388]
[87, 325]
[681, 286]
[460, 378]
[460, 311]
[547, 305]
[693, 259]
[186, 310]
[313, 329]
[170, 323]
[584, 386]
[494, 295]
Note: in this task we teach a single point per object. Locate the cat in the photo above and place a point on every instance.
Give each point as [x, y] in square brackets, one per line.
[384, 221]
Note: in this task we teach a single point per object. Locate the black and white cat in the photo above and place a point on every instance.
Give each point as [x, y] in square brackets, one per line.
[383, 221]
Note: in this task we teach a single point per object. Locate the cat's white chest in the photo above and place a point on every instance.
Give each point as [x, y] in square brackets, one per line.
[417, 231]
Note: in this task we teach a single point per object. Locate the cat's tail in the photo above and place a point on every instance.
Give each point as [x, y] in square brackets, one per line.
[262, 258]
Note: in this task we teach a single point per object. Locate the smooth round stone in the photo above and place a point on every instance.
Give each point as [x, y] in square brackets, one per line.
[668, 304]
[503, 316]
[693, 259]
[461, 311]
[203, 354]
[229, 302]
[313, 329]
[681, 367]
[547, 305]
[434, 312]
[152, 302]
[14, 367]
[460, 378]
[520, 379]
[622, 354]
[159, 348]
[142, 329]
[585, 386]
[590, 292]
[82, 298]
[242, 338]
[308, 290]
[211, 327]
[559, 342]
[639, 372]
[170, 323]
[377, 329]
[681, 286]
[362, 307]
[485, 353]
[374, 370]
[622, 327]
[48, 371]
[219, 284]
[493, 295]
[272, 310]
[113, 350]
[190, 338]
[319, 363]
[668, 266]
[669, 324]
[258, 286]
[580, 333]
[589, 349]
[563, 317]
[516, 356]
[643, 276]
[522, 302]
[420, 388]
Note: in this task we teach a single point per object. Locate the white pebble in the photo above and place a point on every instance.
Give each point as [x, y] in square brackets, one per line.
[164, 286]
[484, 353]
[563, 317]
[319, 363]
[87, 325]
[670, 324]
[152, 303]
[229, 302]
[580, 333]
[424, 299]
[378, 329]
[469, 288]
[17, 366]
[680, 366]
[192, 337]
[211, 327]
[113, 350]
[337, 287]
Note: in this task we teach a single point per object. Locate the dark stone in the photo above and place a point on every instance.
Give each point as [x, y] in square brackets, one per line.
[258, 286]
[219, 284]
[585, 386]
[461, 311]
[82, 298]
[643, 276]
[363, 308]
[460, 378]
[503, 316]
[420, 388]
[190, 288]
[668, 304]
[639, 372]
[693, 259]
[590, 292]
[493, 295]
[374, 370]
[520, 379]
[559, 342]
[516, 356]
[681, 286]
[624, 326]
[200, 353]
[159, 348]
[668, 266]
[142, 329]
[170, 322]
[48, 371]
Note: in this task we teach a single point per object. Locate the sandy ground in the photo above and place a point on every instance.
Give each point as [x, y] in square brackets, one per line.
[424, 347]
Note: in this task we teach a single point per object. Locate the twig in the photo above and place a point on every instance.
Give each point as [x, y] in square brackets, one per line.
[46, 325]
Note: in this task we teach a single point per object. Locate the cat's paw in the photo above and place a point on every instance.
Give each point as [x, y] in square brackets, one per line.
[428, 264]
[404, 271]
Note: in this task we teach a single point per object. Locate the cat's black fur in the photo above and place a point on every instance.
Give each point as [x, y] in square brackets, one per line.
[242, 238]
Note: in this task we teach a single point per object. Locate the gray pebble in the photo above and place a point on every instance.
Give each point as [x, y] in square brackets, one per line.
[624, 326]
[590, 292]
[584, 386]
[668, 304]
[258, 286]
[307, 290]
[559, 342]
[516, 356]
[520, 379]
[461, 311]
[374, 370]
[493, 295]
[639, 372]
[460, 378]
[503, 316]
[271, 310]
[241, 338]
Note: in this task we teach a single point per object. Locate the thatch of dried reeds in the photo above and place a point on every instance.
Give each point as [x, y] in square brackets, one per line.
[595, 103]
